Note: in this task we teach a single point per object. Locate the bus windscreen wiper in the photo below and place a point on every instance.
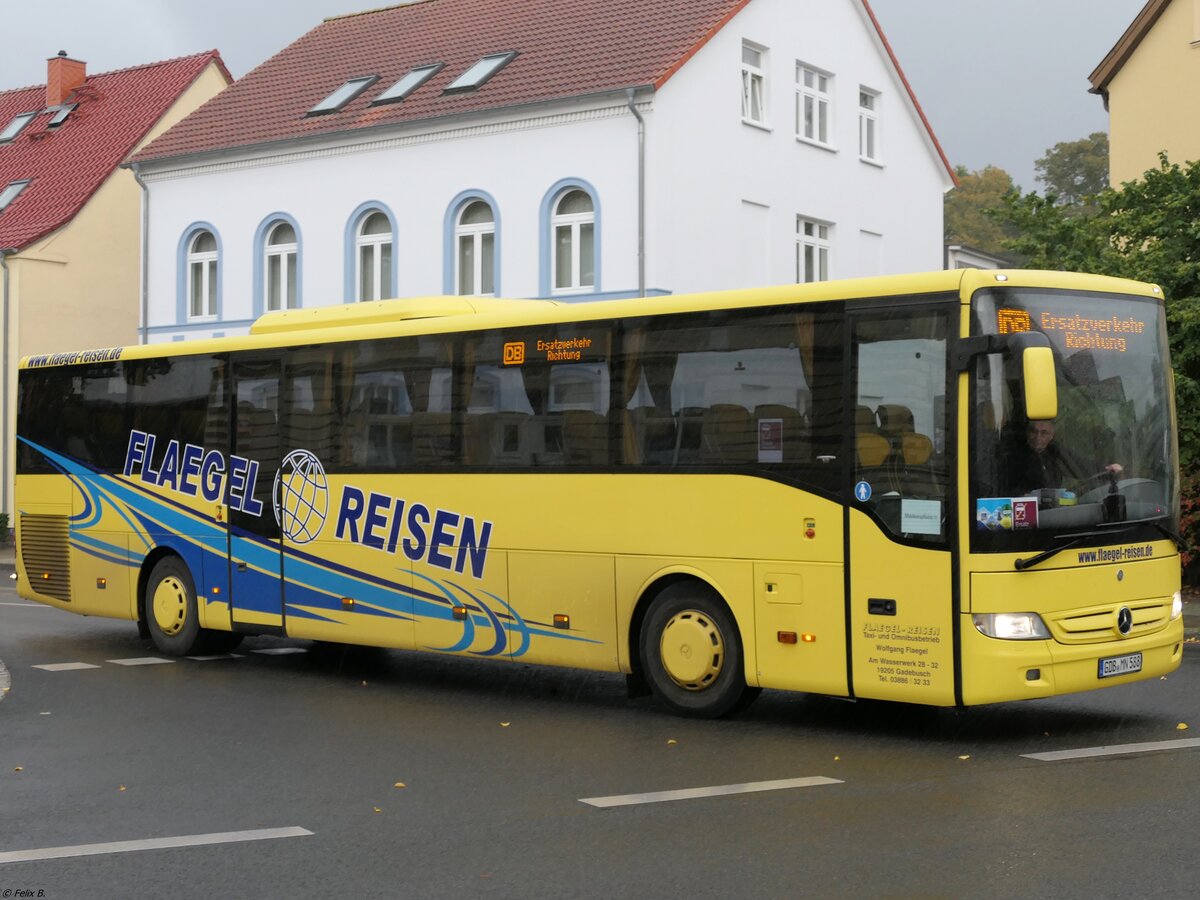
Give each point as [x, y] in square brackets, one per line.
[1073, 540]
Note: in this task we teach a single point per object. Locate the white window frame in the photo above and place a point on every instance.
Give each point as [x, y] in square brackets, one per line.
[14, 128]
[12, 190]
[868, 125]
[814, 94]
[575, 222]
[814, 249]
[381, 281]
[202, 274]
[281, 255]
[473, 235]
[754, 84]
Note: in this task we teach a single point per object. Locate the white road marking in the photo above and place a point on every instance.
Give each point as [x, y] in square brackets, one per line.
[218, 656]
[65, 667]
[140, 661]
[720, 790]
[1114, 750]
[27, 605]
[191, 840]
[281, 651]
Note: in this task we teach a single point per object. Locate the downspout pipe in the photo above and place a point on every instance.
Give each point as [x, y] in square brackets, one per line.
[641, 201]
[5, 384]
[144, 247]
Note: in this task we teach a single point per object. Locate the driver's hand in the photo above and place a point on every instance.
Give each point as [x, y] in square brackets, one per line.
[1115, 468]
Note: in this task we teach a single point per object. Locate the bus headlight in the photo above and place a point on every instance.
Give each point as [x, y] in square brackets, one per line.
[1012, 626]
[1176, 606]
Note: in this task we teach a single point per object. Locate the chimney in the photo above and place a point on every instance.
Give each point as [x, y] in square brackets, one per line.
[63, 75]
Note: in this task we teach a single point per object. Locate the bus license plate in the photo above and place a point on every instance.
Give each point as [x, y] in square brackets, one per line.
[1120, 665]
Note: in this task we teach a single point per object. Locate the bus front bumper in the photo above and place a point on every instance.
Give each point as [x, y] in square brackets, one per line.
[995, 671]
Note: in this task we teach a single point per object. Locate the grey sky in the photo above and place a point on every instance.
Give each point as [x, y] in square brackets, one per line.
[1000, 80]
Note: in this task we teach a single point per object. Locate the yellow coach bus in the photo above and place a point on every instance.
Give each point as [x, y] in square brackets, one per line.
[951, 489]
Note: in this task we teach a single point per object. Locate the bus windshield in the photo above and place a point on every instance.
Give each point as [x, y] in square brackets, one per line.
[1104, 470]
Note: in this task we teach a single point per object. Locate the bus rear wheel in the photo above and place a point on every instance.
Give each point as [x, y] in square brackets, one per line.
[691, 654]
[171, 612]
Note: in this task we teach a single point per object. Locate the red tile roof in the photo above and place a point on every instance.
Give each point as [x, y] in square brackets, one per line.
[68, 164]
[565, 49]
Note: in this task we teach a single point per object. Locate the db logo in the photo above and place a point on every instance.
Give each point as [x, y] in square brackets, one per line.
[514, 353]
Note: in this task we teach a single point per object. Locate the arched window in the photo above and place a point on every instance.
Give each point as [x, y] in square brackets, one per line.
[280, 267]
[373, 243]
[202, 275]
[475, 256]
[573, 232]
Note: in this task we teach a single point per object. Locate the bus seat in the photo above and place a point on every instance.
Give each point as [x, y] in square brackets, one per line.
[872, 449]
[865, 421]
[585, 436]
[727, 435]
[915, 449]
[894, 419]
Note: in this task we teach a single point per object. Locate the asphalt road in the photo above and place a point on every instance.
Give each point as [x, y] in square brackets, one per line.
[336, 772]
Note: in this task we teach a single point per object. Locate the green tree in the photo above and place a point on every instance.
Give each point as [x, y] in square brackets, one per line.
[1075, 171]
[970, 209]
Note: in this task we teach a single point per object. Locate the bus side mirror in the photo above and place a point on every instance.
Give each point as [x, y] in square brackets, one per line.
[1041, 385]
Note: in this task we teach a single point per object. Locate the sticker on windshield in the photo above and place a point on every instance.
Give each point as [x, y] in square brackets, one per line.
[1006, 513]
[862, 491]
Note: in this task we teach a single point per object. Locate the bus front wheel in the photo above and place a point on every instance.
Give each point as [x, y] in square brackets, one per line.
[691, 653]
[171, 612]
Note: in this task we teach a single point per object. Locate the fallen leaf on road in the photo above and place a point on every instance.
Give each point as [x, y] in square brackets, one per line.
[121, 788]
[504, 724]
[965, 756]
[1182, 726]
[671, 741]
[399, 784]
[19, 769]
[378, 810]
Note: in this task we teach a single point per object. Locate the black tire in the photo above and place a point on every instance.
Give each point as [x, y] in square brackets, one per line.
[691, 653]
[170, 608]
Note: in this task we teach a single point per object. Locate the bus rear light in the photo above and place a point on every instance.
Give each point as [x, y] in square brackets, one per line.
[1012, 626]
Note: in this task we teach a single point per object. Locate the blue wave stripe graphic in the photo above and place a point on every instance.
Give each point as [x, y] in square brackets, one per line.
[312, 583]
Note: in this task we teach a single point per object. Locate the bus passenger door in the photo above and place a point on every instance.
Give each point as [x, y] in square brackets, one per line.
[900, 495]
[255, 547]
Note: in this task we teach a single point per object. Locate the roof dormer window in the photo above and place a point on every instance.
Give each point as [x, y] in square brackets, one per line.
[10, 192]
[343, 95]
[61, 115]
[16, 126]
[480, 72]
[412, 80]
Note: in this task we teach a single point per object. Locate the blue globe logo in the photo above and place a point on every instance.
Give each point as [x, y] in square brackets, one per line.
[301, 496]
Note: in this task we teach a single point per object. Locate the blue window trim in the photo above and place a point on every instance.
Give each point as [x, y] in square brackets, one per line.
[545, 245]
[259, 288]
[350, 290]
[449, 244]
[181, 273]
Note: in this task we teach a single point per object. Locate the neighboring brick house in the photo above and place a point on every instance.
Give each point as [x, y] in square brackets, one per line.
[534, 148]
[70, 218]
[1150, 82]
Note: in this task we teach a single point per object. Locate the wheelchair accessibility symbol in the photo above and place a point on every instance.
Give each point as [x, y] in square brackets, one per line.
[862, 491]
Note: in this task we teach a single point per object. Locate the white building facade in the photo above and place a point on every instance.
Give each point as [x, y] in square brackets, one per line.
[787, 147]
